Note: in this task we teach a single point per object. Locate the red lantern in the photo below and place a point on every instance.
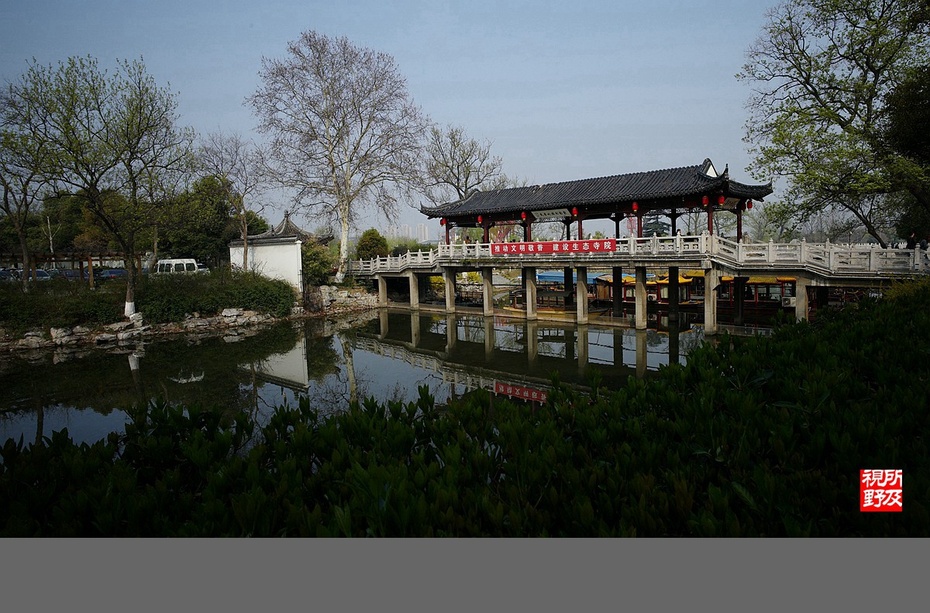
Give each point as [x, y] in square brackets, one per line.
[442, 221]
[480, 219]
[575, 211]
[721, 199]
[523, 215]
[705, 200]
[635, 206]
[749, 204]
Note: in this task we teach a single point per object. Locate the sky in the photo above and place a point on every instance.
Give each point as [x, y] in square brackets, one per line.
[563, 90]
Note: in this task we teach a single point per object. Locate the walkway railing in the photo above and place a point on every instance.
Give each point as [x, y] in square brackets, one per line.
[825, 258]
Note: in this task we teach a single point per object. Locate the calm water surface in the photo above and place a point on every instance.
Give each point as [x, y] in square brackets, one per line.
[385, 354]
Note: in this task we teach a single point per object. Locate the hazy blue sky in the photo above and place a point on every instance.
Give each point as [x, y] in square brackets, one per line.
[563, 90]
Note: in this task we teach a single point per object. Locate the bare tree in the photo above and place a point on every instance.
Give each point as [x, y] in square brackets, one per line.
[457, 165]
[237, 164]
[344, 131]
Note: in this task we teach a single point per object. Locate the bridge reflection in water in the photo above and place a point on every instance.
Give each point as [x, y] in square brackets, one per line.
[514, 357]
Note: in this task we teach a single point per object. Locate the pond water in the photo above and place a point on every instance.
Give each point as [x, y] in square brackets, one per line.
[384, 354]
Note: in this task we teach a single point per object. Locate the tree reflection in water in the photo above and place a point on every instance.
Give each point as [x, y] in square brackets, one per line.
[385, 354]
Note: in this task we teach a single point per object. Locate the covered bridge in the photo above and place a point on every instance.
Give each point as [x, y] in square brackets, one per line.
[671, 192]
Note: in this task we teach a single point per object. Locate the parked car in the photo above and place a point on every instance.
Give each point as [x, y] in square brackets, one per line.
[68, 274]
[108, 274]
[177, 265]
[7, 275]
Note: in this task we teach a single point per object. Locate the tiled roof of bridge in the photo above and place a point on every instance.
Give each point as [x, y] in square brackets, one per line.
[640, 186]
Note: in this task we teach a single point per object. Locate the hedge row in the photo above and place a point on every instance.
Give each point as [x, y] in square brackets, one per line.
[160, 299]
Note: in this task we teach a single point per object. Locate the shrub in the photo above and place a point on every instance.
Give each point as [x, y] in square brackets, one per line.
[164, 298]
[371, 245]
[318, 262]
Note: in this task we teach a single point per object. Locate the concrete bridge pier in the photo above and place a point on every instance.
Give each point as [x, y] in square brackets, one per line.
[448, 277]
[529, 285]
[711, 280]
[582, 349]
[414, 282]
[532, 342]
[487, 286]
[382, 290]
[488, 337]
[581, 295]
[641, 299]
[452, 333]
[804, 287]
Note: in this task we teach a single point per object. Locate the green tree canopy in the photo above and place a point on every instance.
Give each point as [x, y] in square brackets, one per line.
[821, 70]
[371, 245]
[114, 143]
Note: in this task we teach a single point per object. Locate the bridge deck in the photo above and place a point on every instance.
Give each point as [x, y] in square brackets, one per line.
[826, 261]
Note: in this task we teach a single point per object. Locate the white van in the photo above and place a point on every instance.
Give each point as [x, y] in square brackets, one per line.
[177, 265]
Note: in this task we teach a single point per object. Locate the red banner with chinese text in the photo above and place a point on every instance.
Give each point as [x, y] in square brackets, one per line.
[602, 245]
[518, 391]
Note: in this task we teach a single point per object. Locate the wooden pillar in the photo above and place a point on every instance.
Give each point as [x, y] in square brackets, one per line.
[673, 295]
[581, 295]
[487, 283]
[567, 284]
[617, 299]
[711, 279]
[641, 298]
[529, 284]
[639, 225]
[448, 277]
[739, 222]
[739, 299]
[673, 350]
[488, 337]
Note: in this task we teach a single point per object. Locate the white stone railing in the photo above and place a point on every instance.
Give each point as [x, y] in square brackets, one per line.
[824, 258]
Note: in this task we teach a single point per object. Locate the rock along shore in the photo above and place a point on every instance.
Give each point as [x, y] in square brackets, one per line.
[231, 324]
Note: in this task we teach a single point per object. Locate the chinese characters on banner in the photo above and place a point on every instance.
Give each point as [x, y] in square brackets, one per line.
[517, 391]
[880, 490]
[601, 245]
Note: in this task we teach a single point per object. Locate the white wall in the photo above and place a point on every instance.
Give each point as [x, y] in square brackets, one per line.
[278, 261]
